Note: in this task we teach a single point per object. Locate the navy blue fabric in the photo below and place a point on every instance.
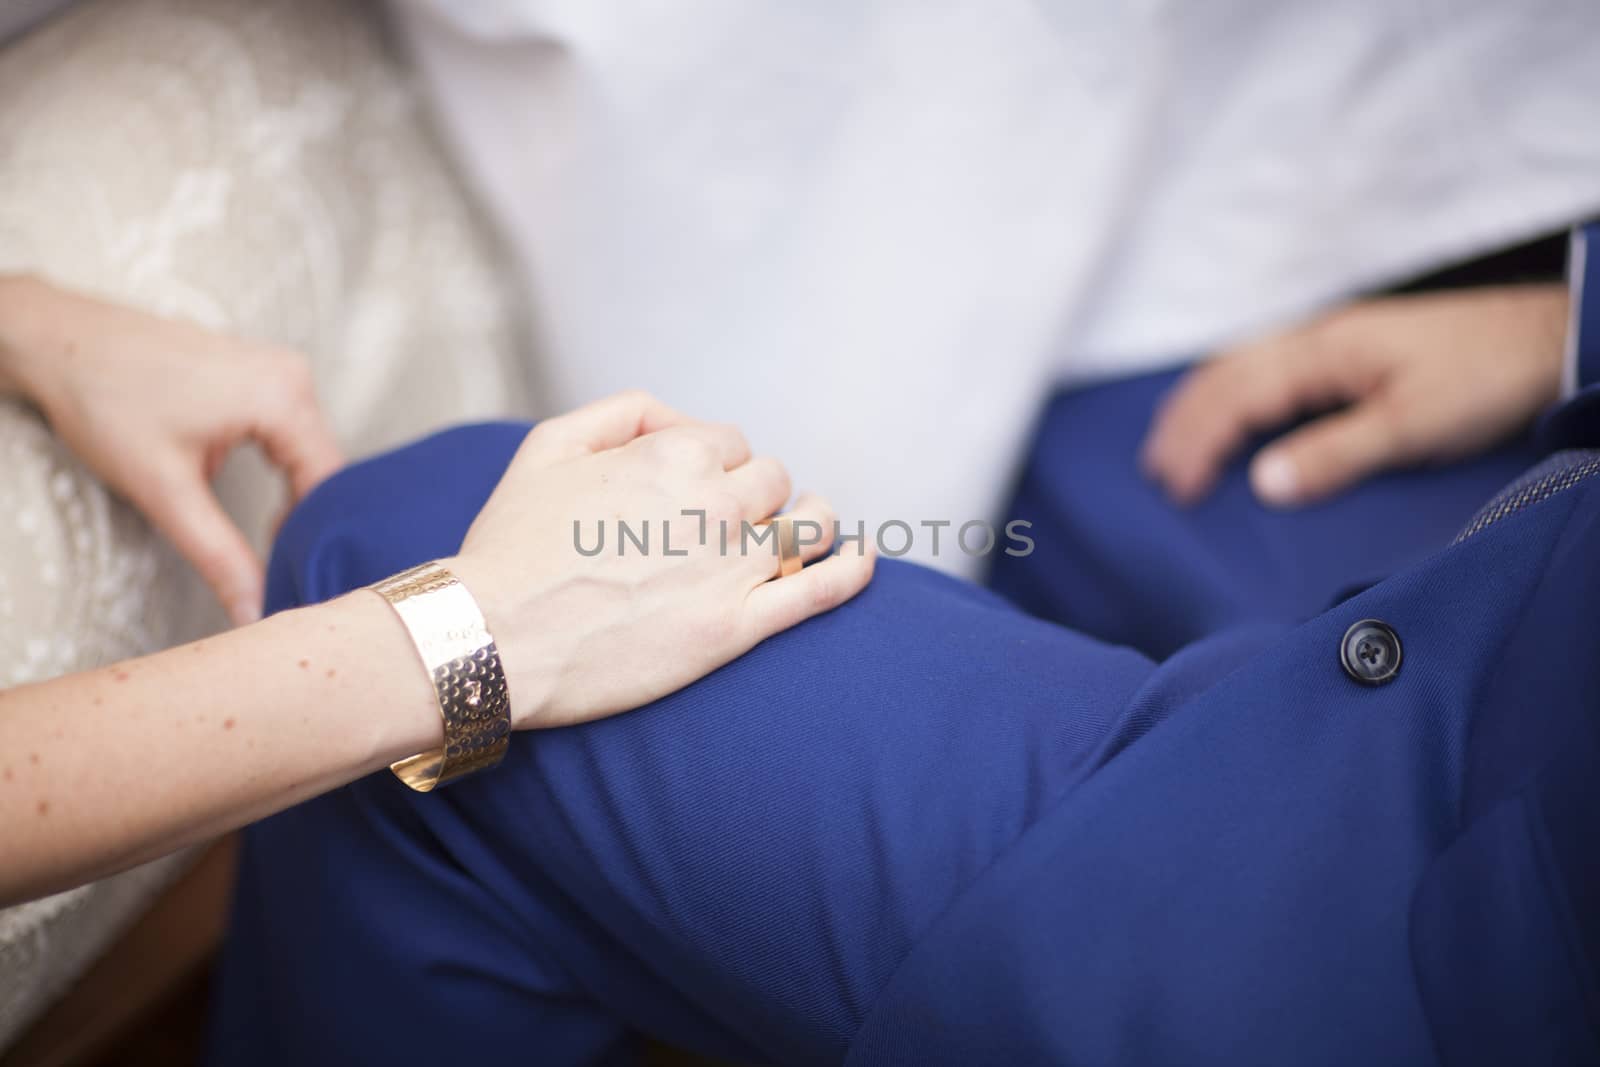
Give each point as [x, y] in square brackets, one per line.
[1573, 421]
[1586, 320]
[1294, 869]
[738, 868]
[1115, 558]
[928, 828]
[1569, 423]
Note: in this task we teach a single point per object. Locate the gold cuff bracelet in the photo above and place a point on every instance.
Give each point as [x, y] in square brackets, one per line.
[449, 633]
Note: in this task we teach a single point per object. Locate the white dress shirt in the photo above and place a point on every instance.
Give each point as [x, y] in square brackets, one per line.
[876, 232]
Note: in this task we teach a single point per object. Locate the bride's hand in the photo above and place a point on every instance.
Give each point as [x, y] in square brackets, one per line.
[586, 635]
[153, 406]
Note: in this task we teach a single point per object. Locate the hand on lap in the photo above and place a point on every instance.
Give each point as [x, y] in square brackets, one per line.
[586, 634]
[1401, 381]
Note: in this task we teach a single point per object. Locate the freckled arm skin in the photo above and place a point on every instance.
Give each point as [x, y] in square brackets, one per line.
[102, 770]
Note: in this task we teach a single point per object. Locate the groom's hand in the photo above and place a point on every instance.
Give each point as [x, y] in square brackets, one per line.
[1401, 381]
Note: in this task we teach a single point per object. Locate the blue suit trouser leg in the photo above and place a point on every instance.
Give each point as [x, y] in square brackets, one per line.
[1114, 557]
[927, 825]
[738, 868]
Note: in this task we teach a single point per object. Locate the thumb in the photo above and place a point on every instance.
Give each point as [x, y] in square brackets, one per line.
[186, 510]
[1326, 455]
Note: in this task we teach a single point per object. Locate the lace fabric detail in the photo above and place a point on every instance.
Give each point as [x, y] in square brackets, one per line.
[261, 167]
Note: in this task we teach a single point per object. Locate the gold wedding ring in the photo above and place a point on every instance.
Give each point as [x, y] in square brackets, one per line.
[789, 559]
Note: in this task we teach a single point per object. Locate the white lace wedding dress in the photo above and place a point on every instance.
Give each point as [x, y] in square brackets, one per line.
[260, 166]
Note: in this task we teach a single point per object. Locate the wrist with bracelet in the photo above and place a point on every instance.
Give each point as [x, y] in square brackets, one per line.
[447, 629]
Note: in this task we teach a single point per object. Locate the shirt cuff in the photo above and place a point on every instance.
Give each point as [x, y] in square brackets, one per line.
[1581, 368]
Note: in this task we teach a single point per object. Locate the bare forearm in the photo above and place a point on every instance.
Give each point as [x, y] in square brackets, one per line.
[102, 770]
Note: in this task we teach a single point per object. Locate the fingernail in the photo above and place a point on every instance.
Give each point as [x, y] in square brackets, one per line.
[1274, 479]
[244, 611]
